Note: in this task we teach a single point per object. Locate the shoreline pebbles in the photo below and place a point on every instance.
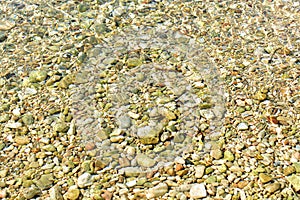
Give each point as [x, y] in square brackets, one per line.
[149, 100]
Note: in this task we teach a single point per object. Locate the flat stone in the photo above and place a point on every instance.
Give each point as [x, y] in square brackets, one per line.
[22, 140]
[45, 181]
[85, 180]
[297, 166]
[37, 76]
[145, 161]
[265, 178]
[133, 171]
[55, 193]
[31, 192]
[13, 125]
[157, 191]
[295, 181]
[289, 170]
[149, 134]
[124, 122]
[198, 191]
[242, 126]
[72, 193]
[272, 187]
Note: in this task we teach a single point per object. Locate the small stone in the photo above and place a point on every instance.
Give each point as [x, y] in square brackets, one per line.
[260, 96]
[265, 178]
[149, 135]
[198, 191]
[131, 183]
[27, 119]
[55, 193]
[61, 127]
[3, 194]
[31, 192]
[297, 166]
[37, 76]
[133, 171]
[6, 25]
[242, 126]
[157, 191]
[14, 125]
[295, 181]
[145, 161]
[289, 170]
[133, 62]
[228, 156]
[216, 154]
[22, 140]
[272, 187]
[3, 173]
[45, 181]
[49, 148]
[211, 179]
[72, 193]
[4, 118]
[85, 180]
[124, 122]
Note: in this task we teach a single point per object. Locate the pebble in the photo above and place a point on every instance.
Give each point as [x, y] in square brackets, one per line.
[22, 140]
[289, 170]
[295, 181]
[55, 193]
[216, 154]
[228, 156]
[85, 180]
[272, 187]
[149, 135]
[37, 76]
[145, 161]
[198, 191]
[14, 125]
[242, 126]
[157, 191]
[30, 193]
[265, 178]
[72, 193]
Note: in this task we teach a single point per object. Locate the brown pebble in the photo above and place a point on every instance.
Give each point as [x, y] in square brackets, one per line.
[90, 146]
[107, 195]
[178, 167]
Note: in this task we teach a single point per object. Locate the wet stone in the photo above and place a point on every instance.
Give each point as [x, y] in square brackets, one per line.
[124, 122]
[145, 161]
[149, 134]
[157, 191]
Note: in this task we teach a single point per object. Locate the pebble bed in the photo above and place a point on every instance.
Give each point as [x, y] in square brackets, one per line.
[149, 100]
